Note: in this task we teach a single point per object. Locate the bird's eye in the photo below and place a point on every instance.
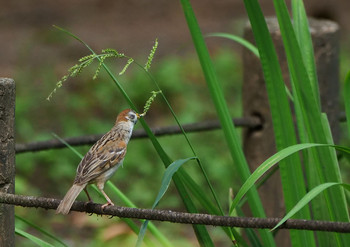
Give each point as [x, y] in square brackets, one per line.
[132, 116]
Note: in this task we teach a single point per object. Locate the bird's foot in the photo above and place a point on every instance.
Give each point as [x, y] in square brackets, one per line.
[107, 204]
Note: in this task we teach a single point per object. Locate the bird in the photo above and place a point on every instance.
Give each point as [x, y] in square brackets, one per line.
[102, 160]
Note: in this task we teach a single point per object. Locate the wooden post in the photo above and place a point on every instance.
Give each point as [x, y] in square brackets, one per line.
[7, 159]
[259, 143]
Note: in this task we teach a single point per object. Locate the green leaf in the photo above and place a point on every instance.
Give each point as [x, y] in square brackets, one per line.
[303, 35]
[247, 45]
[237, 39]
[67, 145]
[202, 197]
[266, 165]
[169, 172]
[43, 231]
[168, 175]
[272, 161]
[230, 133]
[151, 227]
[32, 238]
[347, 100]
[292, 177]
[307, 198]
[200, 194]
[334, 198]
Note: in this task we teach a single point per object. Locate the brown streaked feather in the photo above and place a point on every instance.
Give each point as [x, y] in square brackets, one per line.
[99, 159]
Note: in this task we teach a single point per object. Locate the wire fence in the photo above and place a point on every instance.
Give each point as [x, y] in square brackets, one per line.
[177, 217]
[252, 122]
[248, 122]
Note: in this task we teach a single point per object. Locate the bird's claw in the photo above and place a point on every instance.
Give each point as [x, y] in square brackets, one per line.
[107, 204]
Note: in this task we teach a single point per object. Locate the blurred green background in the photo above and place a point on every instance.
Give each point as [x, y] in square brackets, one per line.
[37, 56]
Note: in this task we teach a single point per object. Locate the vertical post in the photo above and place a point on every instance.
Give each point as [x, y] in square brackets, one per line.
[259, 143]
[7, 159]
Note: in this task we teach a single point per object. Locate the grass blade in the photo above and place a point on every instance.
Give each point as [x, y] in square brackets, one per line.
[151, 227]
[292, 177]
[46, 233]
[347, 100]
[307, 198]
[168, 174]
[167, 177]
[203, 199]
[237, 39]
[231, 135]
[272, 161]
[32, 238]
[303, 35]
[203, 195]
[302, 32]
[334, 197]
[266, 165]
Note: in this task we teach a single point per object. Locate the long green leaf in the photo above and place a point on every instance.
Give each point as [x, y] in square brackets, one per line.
[32, 238]
[167, 177]
[272, 161]
[292, 177]
[202, 193]
[347, 100]
[237, 39]
[303, 35]
[168, 174]
[247, 45]
[266, 165]
[307, 198]
[230, 133]
[305, 94]
[43, 231]
[151, 227]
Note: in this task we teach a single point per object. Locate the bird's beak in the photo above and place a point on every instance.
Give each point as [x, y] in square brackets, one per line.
[140, 115]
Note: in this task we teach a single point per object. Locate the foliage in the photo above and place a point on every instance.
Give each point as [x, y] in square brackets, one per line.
[192, 182]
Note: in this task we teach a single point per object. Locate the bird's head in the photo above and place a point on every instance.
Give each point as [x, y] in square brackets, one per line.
[128, 115]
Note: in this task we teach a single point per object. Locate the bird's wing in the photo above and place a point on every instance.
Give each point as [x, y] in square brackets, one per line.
[100, 159]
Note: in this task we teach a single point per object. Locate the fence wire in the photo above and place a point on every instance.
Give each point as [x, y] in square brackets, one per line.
[249, 122]
[177, 217]
[252, 122]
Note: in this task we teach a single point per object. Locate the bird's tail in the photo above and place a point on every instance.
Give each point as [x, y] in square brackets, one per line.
[69, 198]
